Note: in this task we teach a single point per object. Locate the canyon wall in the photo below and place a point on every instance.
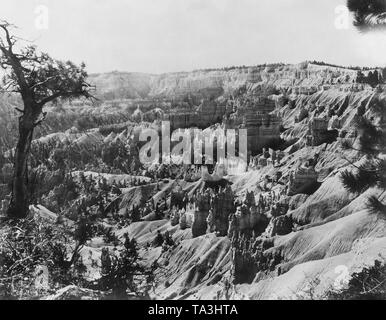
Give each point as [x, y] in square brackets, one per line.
[301, 78]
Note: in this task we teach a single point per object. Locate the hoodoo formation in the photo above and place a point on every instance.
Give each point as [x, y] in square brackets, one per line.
[227, 182]
[264, 232]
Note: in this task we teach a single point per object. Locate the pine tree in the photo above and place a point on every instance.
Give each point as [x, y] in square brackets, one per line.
[39, 80]
[372, 171]
[360, 77]
[368, 14]
[135, 214]
[124, 272]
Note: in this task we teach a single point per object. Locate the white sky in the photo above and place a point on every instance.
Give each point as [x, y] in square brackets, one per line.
[180, 35]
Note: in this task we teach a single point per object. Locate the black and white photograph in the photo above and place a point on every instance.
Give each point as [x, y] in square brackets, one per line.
[196, 150]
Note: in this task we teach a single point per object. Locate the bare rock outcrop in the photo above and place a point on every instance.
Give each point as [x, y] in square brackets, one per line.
[279, 226]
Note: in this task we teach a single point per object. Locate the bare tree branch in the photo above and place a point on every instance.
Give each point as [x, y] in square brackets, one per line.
[37, 123]
[19, 110]
[44, 81]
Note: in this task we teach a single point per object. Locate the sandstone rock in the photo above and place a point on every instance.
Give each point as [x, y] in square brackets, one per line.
[222, 205]
[200, 224]
[302, 180]
[296, 201]
[175, 218]
[248, 218]
[186, 219]
[280, 226]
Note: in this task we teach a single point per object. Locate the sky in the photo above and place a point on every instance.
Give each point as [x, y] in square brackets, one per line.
[157, 36]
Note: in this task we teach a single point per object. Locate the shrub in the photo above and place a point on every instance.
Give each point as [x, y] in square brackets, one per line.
[29, 243]
[122, 273]
[109, 236]
[368, 284]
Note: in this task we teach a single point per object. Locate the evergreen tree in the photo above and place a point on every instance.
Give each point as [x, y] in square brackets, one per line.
[368, 14]
[123, 272]
[372, 171]
[135, 214]
[39, 80]
[360, 77]
[373, 78]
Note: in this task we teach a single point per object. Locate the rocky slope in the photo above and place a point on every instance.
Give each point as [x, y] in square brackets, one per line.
[206, 83]
[332, 233]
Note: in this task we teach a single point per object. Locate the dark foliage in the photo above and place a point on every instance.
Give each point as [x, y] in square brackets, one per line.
[368, 14]
[31, 243]
[368, 284]
[356, 182]
[370, 173]
[123, 273]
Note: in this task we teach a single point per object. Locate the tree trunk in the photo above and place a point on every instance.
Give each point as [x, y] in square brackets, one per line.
[19, 205]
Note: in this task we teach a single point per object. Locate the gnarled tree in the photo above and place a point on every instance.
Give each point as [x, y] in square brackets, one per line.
[39, 79]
